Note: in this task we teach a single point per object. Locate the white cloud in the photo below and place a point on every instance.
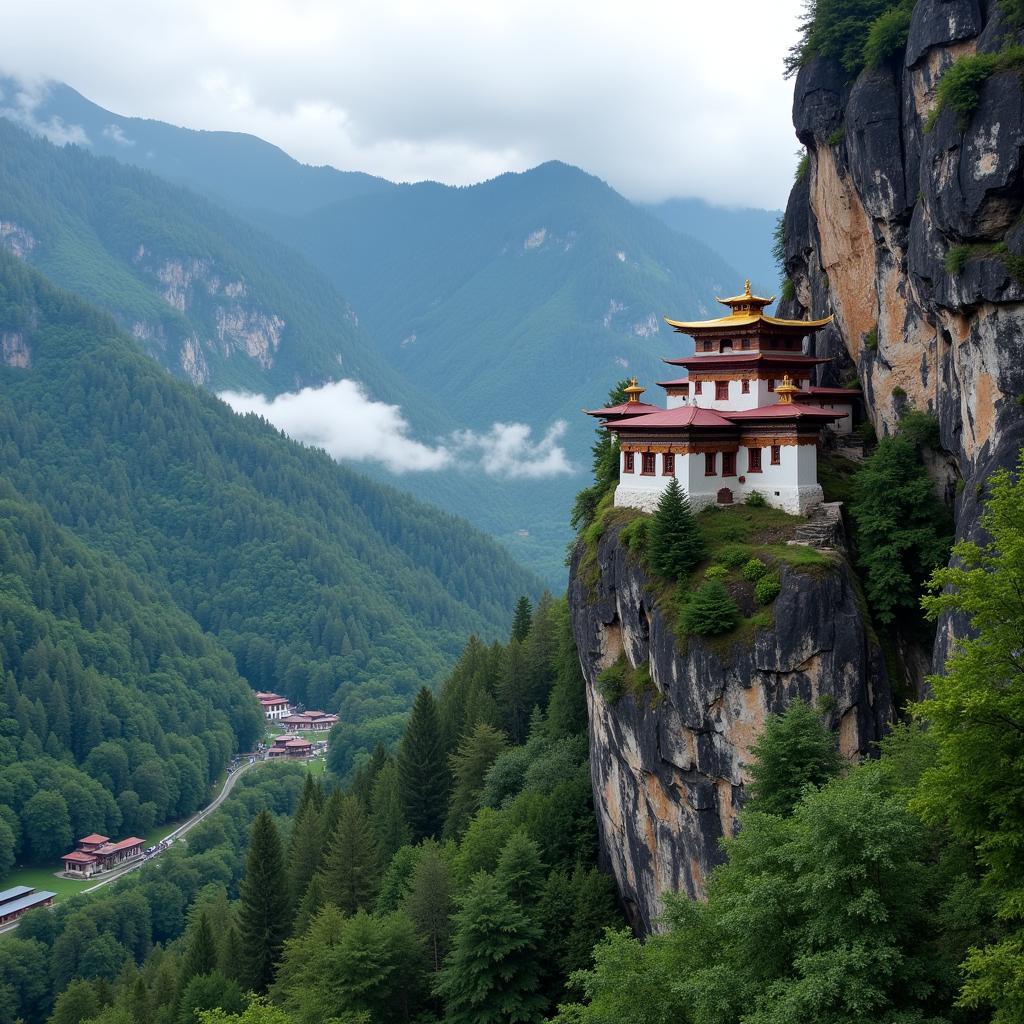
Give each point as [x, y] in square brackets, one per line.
[116, 133]
[22, 108]
[657, 98]
[341, 418]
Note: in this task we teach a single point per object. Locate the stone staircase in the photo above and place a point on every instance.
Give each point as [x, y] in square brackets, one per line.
[824, 528]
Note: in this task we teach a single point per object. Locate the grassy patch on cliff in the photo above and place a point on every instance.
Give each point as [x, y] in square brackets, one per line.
[620, 679]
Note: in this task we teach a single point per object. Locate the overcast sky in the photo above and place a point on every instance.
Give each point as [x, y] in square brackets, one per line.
[658, 97]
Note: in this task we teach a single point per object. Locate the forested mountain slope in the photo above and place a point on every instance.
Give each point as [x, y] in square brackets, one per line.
[209, 296]
[336, 590]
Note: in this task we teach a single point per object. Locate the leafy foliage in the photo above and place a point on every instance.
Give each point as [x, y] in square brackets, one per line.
[959, 89]
[709, 611]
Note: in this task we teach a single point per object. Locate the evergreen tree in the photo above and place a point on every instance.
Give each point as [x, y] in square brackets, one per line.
[312, 796]
[475, 756]
[795, 750]
[429, 902]
[514, 692]
[311, 904]
[388, 815]
[423, 769]
[522, 619]
[492, 974]
[200, 950]
[903, 531]
[229, 956]
[263, 913]
[305, 849]
[520, 872]
[674, 542]
[351, 871]
[709, 611]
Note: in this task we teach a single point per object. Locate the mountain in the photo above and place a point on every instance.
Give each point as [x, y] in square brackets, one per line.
[236, 170]
[338, 591]
[210, 297]
[743, 236]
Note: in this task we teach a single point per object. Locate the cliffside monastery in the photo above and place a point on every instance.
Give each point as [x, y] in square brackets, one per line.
[745, 418]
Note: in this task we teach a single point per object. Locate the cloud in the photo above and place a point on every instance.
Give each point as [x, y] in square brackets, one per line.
[341, 418]
[116, 133]
[23, 108]
[657, 98]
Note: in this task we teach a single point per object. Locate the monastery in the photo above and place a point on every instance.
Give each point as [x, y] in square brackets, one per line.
[745, 418]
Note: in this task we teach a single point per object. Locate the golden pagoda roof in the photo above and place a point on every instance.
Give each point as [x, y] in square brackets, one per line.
[747, 310]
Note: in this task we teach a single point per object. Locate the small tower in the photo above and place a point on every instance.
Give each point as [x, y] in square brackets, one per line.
[786, 390]
[634, 391]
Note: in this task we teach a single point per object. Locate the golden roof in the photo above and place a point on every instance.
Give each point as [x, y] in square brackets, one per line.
[634, 391]
[786, 390]
[747, 310]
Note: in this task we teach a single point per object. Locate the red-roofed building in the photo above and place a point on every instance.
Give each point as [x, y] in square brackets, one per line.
[746, 418]
[290, 746]
[97, 853]
[275, 707]
[309, 721]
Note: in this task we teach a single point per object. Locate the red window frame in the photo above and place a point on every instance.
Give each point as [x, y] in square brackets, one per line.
[771, 384]
[698, 387]
[745, 386]
[728, 463]
[648, 464]
[721, 391]
[710, 464]
[776, 455]
[628, 462]
[753, 460]
[668, 464]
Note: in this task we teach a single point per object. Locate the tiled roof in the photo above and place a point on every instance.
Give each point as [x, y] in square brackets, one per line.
[686, 416]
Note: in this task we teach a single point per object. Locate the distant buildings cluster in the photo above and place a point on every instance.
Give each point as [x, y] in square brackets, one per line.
[278, 709]
[20, 899]
[97, 853]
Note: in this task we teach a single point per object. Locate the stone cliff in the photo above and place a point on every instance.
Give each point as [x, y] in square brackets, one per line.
[668, 766]
[910, 233]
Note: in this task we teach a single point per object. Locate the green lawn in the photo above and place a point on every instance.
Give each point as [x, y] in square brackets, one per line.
[44, 878]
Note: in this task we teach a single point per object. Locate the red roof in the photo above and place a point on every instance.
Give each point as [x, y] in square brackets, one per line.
[783, 412]
[688, 416]
[816, 392]
[94, 840]
[678, 382]
[125, 844]
[746, 359]
[80, 857]
[623, 409]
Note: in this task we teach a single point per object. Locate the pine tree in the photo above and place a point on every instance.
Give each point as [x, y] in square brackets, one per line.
[522, 619]
[493, 973]
[305, 850]
[351, 871]
[388, 815]
[520, 871]
[429, 903]
[795, 750]
[201, 950]
[674, 541]
[312, 796]
[264, 914]
[423, 769]
[709, 611]
[514, 692]
[229, 957]
[475, 755]
[311, 904]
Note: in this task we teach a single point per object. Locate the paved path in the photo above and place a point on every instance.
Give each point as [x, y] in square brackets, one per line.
[181, 830]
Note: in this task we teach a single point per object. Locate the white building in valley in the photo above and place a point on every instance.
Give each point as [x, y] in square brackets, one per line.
[746, 418]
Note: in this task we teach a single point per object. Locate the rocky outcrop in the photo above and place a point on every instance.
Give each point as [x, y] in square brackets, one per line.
[16, 239]
[870, 227]
[668, 767]
[14, 350]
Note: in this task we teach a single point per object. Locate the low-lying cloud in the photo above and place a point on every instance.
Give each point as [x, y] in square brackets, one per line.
[350, 426]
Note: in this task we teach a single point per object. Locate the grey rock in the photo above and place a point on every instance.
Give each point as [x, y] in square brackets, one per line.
[939, 23]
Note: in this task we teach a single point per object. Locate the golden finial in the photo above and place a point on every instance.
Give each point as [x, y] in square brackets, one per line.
[746, 288]
[786, 390]
[634, 391]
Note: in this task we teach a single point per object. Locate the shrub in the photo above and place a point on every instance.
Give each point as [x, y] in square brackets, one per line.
[959, 88]
[920, 428]
[803, 165]
[716, 572]
[871, 338]
[710, 611]
[956, 258]
[755, 499]
[887, 36]
[788, 290]
[837, 135]
[754, 569]
[767, 589]
[779, 244]
[732, 556]
[898, 392]
[634, 534]
[611, 683]
[866, 432]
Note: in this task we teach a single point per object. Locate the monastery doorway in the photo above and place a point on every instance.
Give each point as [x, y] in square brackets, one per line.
[724, 496]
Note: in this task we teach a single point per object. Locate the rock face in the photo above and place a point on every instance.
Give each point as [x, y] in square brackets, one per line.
[869, 227]
[668, 770]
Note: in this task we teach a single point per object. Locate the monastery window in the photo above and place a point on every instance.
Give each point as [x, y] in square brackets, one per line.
[745, 386]
[721, 391]
[771, 385]
[753, 460]
[728, 463]
[668, 464]
[745, 344]
[776, 455]
[647, 464]
[627, 463]
[726, 345]
[698, 387]
[710, 458]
